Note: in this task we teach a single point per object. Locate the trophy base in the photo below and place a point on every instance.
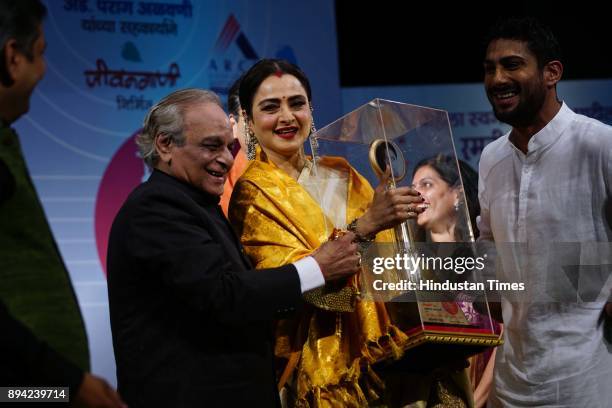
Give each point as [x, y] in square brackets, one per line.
[434, 344]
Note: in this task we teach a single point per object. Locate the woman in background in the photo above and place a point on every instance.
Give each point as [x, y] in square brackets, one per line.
[438, 181]
[240, 159]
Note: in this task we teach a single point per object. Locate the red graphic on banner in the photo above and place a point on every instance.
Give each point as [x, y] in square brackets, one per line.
[124, 172]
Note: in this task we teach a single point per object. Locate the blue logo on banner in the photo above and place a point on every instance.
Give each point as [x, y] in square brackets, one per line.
[228, 62]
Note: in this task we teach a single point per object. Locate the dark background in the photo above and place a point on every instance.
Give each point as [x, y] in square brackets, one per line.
[394, 43]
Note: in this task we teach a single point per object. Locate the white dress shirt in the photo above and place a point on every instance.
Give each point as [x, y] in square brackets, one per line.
[310, 273]
[546, 211]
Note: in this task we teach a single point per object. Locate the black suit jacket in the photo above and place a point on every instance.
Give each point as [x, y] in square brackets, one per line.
[191, 321]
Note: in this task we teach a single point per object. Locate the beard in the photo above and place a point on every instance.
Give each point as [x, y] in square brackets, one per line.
[531, 100]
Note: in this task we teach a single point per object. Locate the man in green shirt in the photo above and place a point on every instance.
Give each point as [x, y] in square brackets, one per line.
[42, 335]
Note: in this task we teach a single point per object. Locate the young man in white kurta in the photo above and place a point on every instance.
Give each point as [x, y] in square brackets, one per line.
[544, 191]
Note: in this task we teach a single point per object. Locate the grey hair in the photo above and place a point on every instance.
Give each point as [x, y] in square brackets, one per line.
[166, 117]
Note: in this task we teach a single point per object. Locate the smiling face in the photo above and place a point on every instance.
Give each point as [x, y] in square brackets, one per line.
[206, 156]
[440, 197]
[513, 81]
[281, 116]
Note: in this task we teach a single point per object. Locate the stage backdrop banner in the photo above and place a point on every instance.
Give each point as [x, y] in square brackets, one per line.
[472, 120]
[108, 62]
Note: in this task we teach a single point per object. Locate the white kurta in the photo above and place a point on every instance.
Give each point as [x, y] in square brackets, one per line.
[552, 202]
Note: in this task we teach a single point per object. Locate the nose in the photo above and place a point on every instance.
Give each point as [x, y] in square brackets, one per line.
[225, 158]
[286, 115]
[498, 76]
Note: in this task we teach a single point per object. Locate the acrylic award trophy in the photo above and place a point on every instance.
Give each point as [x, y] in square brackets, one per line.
[433, 291]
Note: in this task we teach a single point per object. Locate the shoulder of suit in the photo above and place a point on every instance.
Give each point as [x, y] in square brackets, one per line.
[150, 191]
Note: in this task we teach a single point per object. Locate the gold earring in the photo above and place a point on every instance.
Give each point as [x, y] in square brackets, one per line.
[251, 140]
[251, 145]
[314, 142]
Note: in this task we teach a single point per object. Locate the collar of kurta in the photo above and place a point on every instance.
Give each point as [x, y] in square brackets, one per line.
[550, 133]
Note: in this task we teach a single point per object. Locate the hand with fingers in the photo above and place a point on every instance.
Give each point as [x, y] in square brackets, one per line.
[390, 207]
[338, 258]
[95, 392]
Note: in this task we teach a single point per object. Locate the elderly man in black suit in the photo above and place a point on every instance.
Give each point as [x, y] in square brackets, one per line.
[191, 320]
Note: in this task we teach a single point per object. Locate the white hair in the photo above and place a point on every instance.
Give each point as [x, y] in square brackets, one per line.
[166, 117]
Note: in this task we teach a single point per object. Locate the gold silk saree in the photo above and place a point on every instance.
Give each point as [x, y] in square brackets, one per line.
[324, 356]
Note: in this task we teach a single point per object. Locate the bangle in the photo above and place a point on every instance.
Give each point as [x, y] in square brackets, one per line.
[360, 238]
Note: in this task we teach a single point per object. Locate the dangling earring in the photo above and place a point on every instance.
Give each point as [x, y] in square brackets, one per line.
[313, 129]
[457, 204]
[251, 141]
[251, 147]
[314, 142]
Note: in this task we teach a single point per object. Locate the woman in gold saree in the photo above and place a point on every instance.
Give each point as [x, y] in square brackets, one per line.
[325, 354]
